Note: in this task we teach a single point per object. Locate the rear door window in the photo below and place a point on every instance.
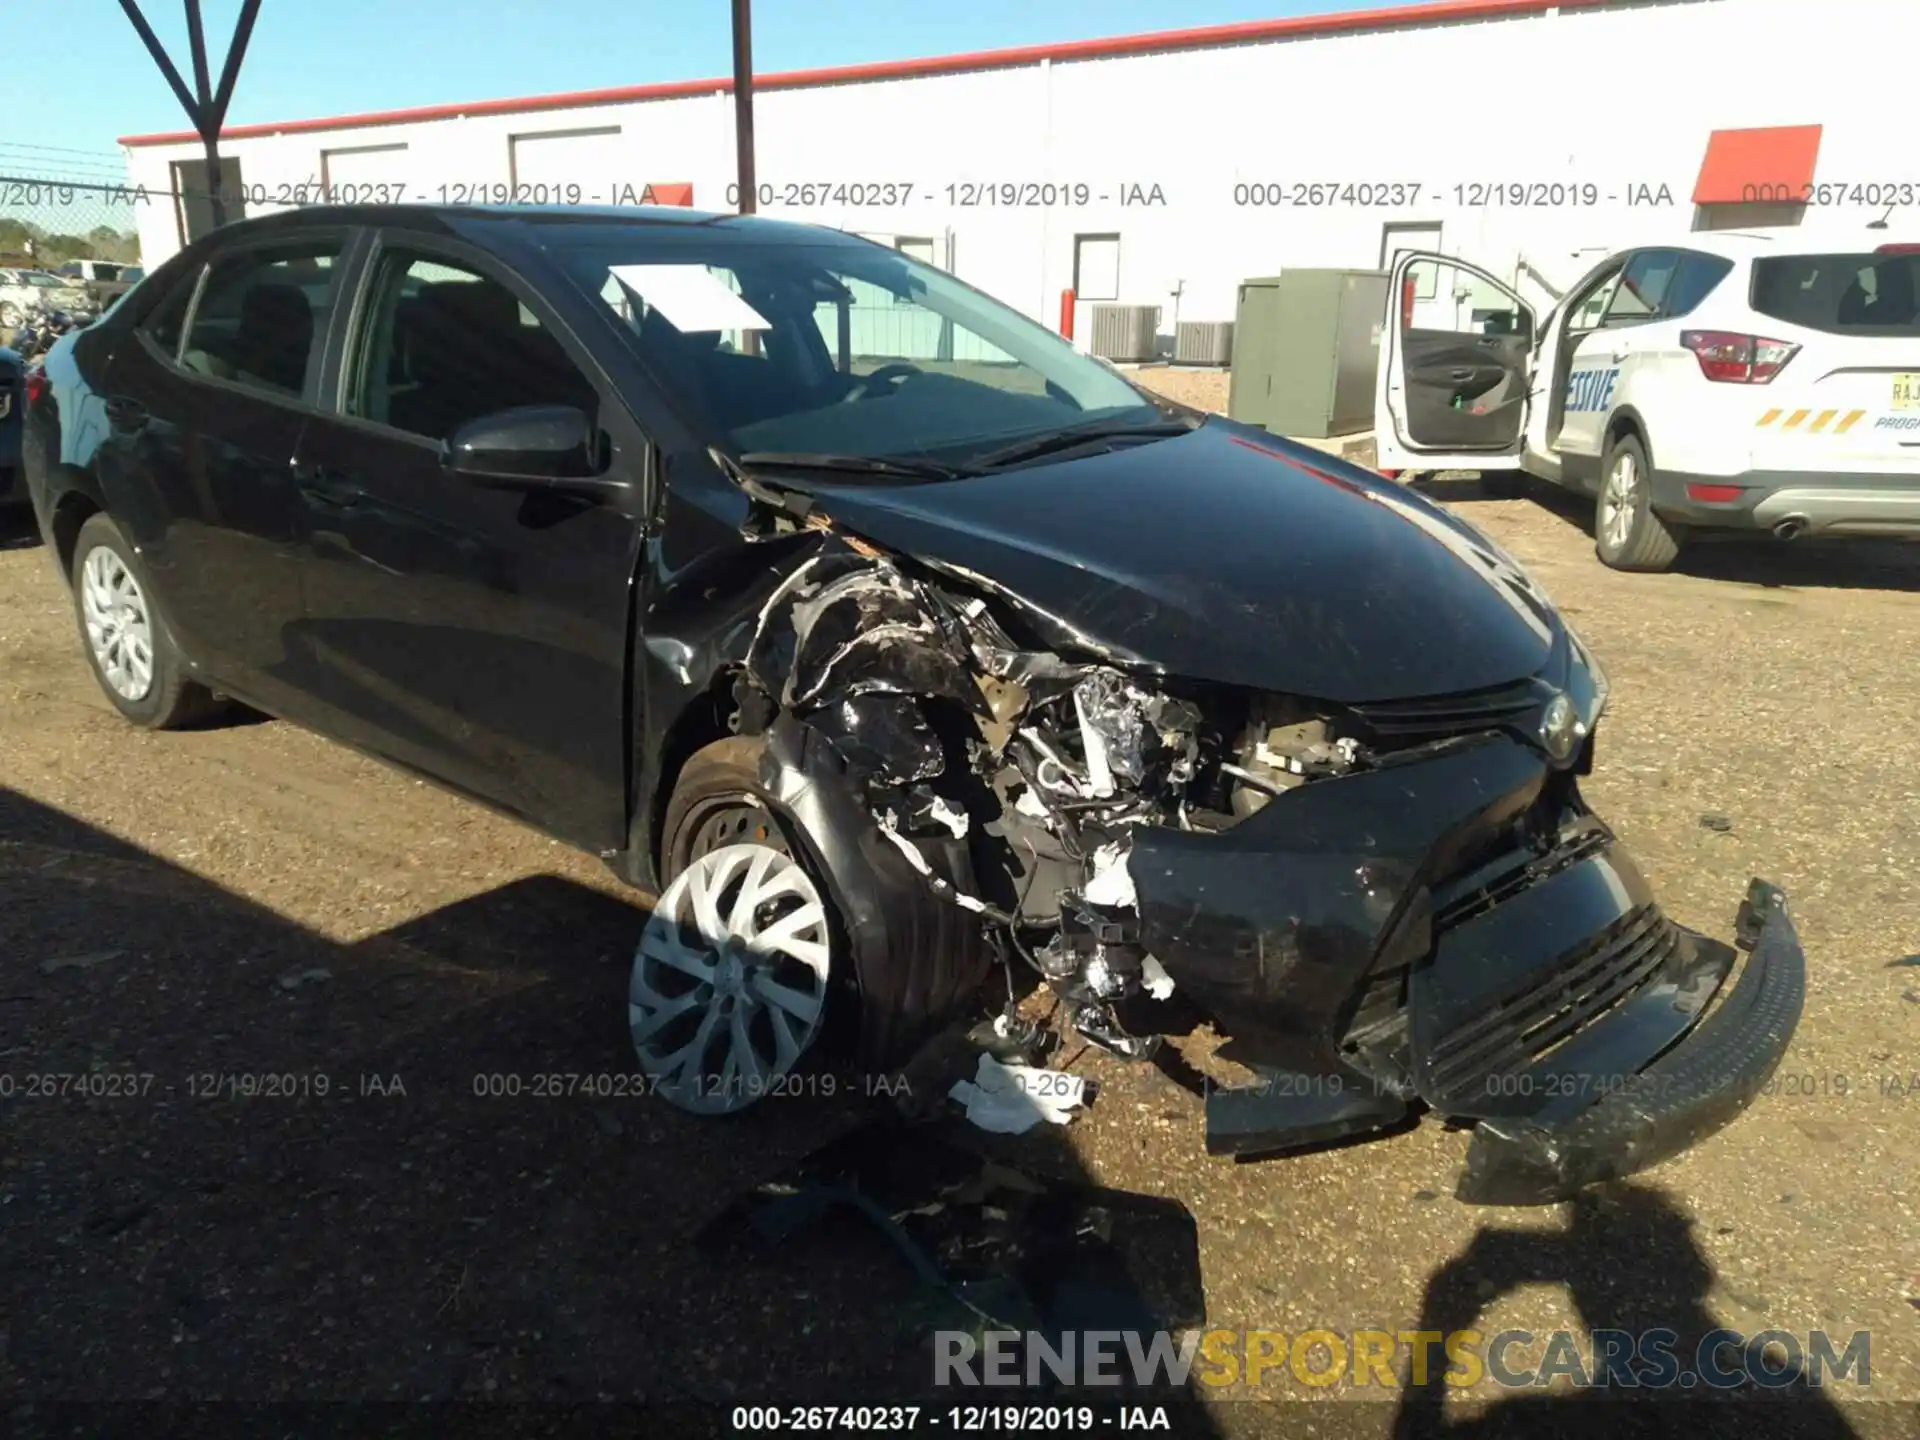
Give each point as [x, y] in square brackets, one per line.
[1698, 277]
[1642, 288]
[166, 320]
[1842, 294]
[260, 314]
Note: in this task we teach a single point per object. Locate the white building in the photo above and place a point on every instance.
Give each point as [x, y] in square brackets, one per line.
[1161, 169]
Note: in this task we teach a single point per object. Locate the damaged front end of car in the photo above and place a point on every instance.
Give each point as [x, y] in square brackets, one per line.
[1383, 908]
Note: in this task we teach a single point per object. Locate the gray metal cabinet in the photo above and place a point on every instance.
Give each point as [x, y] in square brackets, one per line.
[1306, 349]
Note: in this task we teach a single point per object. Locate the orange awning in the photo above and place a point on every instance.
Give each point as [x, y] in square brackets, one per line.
[1767, 166]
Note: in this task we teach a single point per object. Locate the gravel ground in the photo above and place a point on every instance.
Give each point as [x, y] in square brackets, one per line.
[252, 899]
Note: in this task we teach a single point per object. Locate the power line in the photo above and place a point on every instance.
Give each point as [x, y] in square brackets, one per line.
[58, 149]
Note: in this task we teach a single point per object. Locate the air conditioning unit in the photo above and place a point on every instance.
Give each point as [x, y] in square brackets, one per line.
[1203, 342]
[1124, 332]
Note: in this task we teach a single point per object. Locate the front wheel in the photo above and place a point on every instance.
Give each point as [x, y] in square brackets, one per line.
[133, 656]
[729, 991]
[1627, 535]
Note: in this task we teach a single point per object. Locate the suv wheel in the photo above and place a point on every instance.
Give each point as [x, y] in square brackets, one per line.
[730, 987]
[1627, 535]
[133, 656]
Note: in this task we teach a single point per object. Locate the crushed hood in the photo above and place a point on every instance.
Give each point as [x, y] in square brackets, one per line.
[1230, 556]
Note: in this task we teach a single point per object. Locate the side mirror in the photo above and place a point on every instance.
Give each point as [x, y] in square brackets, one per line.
[529, 444]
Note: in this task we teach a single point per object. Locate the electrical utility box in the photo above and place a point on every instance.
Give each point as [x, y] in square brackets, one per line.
[1306, 349]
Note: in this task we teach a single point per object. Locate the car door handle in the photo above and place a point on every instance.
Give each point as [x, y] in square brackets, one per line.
[325, 487]
[1463, 374]
[125, 414]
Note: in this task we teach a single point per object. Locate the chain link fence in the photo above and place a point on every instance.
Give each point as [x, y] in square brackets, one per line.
[46, 221]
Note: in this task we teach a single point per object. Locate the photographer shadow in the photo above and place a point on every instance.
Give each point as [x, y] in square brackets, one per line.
[1630, 1264]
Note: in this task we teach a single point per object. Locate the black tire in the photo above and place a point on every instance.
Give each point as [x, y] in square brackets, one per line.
[171, 700]
[1503, 484]
[1627, 535]
[723, 775]
[719, 800]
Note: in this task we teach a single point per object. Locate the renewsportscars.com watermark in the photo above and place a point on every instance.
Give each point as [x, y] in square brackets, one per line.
[1508, 1359]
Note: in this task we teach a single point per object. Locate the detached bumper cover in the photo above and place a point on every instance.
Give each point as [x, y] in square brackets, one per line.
[1380, 943]
[1710, 1076]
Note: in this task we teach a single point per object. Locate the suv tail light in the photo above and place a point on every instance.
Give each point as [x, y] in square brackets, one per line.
[1742, 359]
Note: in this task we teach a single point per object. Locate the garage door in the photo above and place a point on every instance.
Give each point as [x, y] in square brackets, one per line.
[566, 167]
[367, 174]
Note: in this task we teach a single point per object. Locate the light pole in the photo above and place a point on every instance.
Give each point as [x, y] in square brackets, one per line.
[743, 102]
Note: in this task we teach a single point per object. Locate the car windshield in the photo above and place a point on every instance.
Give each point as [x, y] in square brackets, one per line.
[45, 282]
[839, 346]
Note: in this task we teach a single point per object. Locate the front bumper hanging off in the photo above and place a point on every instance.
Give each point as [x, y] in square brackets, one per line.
[1713, 1073]
[1542, 996]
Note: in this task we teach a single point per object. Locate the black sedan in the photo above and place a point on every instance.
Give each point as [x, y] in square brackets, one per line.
[897, 641]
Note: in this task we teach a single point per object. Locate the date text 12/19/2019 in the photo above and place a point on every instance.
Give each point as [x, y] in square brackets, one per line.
[960, 1419]
[1468, 195]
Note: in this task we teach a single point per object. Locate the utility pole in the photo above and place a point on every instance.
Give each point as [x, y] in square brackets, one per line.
[205, 104]
[743, 102]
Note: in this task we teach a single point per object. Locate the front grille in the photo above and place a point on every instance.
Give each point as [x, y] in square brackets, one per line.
[1474, 895]
[1583, 985]
[1440, 717]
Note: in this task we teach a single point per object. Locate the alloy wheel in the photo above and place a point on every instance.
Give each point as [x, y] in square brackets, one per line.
[1619, 500]
[119, 625]
[729, 986]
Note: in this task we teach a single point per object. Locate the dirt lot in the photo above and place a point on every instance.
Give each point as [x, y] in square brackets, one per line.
[252, 900]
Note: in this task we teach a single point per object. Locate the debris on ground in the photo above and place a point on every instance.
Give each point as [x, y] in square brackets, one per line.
[1719, 824]
[989, 1246]
[294, 979]
[1012, 1099]
[79, 962]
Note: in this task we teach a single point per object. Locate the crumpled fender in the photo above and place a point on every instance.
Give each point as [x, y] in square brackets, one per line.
[915, 957]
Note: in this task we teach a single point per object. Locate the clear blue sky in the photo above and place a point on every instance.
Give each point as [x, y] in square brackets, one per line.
[325, 57]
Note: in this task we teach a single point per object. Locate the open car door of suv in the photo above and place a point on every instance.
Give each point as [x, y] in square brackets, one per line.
[1456, 366]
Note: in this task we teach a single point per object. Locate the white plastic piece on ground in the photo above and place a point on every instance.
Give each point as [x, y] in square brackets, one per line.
[1154, 979]
[1012, 1099]
[1112, 882]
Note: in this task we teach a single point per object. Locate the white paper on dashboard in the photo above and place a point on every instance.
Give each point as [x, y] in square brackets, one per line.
[692, 297]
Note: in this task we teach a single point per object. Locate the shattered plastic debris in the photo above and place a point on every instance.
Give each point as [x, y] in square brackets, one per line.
[1111, 884]
[1012, 1099]
[1154, 979]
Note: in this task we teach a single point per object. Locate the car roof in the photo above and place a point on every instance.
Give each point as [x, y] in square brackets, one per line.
[1824, 238]
[752, 229]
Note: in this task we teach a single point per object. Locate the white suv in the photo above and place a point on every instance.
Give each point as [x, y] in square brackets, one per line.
[1756, 382]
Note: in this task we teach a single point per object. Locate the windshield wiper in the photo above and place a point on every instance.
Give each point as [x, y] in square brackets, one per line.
[1068, 439]
[900, 467]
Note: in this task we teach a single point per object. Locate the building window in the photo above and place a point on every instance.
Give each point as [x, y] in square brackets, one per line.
[1396, 237]
[562, 166]
[1747, 215]
[1096, 267]
[915, 247]
[363, 174]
